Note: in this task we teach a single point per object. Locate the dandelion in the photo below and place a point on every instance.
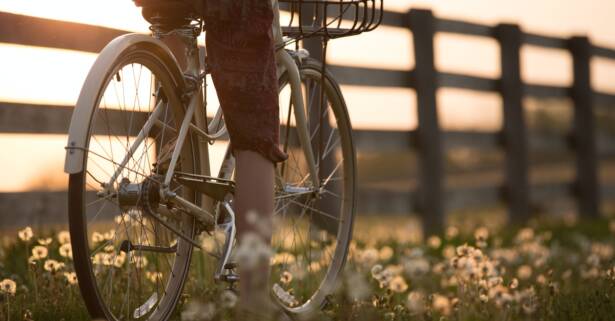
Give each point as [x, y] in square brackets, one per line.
[385, 253]
[529, 307]
[524, 272]
[434, 242]
[441, 304]
[541, 279]
[208, 244]
[45, 241]
[314, 267]
[8, 286]
[66, 251]
[39, 252]
[358, 288]
[514, 284]
[567, 274]
[110, 235]
[415, 302]
[228, 299]
[52, 265]
[197, 311]
[451, 232]
[122, 219]
[26, 234]
[481, 234]
[284, 258]
[376, 271]
[153, 277]
[398, 284]
[97, 237]
[119, 259]
[524, 235]
[369, 257]
[252, 250]
[138, 260]
[64, 237]
[483, 298]
[286, 277]
[71, 277]
[448, 252]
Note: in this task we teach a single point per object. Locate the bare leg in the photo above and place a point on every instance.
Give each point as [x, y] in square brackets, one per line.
[253, 204]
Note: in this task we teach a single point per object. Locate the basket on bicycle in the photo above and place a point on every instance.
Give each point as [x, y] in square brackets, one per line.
[329, 18]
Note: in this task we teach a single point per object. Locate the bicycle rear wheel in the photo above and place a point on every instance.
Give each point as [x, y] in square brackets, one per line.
[312, 224]
[129, 263]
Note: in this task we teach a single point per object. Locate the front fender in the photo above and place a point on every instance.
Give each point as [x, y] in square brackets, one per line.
[94, 82]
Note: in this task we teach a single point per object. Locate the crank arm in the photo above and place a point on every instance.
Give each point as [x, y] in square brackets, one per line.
[128, 246]
[190, 208]
[229, 231]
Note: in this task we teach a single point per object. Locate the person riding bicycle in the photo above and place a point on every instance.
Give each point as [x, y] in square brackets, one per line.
[240, 51]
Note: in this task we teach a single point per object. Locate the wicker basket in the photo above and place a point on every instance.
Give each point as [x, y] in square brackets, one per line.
[343, 17]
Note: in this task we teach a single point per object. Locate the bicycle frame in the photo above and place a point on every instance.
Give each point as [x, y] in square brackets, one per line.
[195, 110]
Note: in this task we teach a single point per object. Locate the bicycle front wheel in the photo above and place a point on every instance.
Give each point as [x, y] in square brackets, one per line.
[312, 224]
[129, 260]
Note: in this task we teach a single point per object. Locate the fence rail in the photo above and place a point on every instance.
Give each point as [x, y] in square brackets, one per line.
[431, 194]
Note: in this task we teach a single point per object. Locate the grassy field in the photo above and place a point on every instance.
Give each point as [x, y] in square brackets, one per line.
[548, 270]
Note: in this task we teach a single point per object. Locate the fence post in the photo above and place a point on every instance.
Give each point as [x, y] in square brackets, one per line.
[429, 142]
[586, 185]
[514, 129]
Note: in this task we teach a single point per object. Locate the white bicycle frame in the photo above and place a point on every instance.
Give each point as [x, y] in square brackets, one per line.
[88, 100]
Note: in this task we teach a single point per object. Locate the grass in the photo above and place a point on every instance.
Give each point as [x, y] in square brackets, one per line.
[548, 270]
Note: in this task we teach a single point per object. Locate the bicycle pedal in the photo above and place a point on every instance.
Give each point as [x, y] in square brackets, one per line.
[230, 278]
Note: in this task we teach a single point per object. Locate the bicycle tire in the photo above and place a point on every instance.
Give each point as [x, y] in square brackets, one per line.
[167, 281]
[339, 121]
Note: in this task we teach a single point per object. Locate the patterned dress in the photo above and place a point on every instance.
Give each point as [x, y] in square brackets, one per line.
[240, 49]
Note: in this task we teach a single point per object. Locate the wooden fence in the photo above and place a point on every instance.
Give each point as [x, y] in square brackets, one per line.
[431, 198]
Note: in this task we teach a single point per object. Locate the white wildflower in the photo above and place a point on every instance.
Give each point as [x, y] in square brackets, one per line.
[26, 234]
[8, 286]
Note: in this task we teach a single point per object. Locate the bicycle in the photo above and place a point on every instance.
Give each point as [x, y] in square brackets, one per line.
[141, 186]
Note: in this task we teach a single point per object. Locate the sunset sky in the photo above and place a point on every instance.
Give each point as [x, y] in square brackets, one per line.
[52, 76]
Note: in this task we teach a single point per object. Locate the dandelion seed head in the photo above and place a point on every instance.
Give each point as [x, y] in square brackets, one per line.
[39, 252]
[524, 272]
[53, 265]
[286, 277]
[385, 253]
[434, 242]
[252, 250]
[398, 284]
[448, 252]
[66, 251]
[26, 234]
[228, 299]
[97, 237]
[71, 277]
[357, 288]
[514, 283]
[452, 232]
[481, 234]
[415, 302]
[8, 286]
[63, 237]
[368, 257]
[524, 235]
[441, 304]
[45, 241]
